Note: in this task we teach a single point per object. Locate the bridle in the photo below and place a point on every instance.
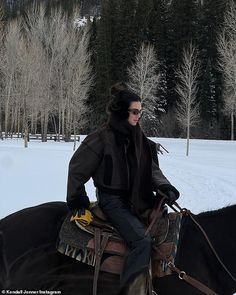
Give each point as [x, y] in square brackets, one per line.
[182, 274]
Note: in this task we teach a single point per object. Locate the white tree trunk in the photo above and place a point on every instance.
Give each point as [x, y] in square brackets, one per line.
[74, 127]
[63, 124]
[18, 122]
[187, 112]
[188, 137]
[0, 122]
[7, 104]
[232, 125]
[227, 61]
[59, 124]
[12, 119]
[26, 135]
[45, 126]
[55, 126]
[25, 126]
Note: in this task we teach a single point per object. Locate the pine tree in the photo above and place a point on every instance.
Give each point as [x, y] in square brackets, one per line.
[182, 29]
[102, 65]
[210, 17]
[142, 22]
[159, 37]
[208, 102]
[123, 38]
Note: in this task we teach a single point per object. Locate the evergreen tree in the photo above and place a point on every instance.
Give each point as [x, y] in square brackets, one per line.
[120, 28]
[210, 80]
[142, 22]
[123, 38]
[158, 34]
[208, 103]
[89, 7]
[182, 28]
[18, 7]
[102, 65]
[115, 49]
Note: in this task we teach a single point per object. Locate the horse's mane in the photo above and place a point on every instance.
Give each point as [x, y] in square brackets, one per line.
[228, 210]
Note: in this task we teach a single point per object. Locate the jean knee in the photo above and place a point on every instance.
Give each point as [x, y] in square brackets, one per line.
[143, 244]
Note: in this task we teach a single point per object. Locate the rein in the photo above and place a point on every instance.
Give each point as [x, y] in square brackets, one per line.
[182, 274]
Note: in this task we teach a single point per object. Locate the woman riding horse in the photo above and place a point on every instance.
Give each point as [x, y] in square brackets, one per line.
[123, 164]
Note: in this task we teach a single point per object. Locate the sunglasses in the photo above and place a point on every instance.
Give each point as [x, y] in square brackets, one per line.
[136, 112]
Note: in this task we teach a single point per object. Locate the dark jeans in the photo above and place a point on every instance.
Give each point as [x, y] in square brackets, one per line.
[119, 212]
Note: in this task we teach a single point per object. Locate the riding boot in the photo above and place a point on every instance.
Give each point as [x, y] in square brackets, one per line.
[137, 286]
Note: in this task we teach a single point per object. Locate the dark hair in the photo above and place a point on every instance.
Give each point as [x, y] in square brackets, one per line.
[121, 98]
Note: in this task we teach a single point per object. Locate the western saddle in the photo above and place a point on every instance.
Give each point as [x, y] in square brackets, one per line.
[88, 243]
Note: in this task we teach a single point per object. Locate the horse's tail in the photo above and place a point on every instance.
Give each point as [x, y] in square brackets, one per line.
[3, 265]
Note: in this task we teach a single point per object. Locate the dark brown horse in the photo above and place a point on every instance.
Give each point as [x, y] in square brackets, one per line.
[29, 260]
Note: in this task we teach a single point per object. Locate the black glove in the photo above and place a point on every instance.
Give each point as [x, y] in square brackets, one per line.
[79, 212]
[169, 191]
[80, 202]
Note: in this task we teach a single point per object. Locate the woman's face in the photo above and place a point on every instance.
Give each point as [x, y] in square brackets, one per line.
[134, 112]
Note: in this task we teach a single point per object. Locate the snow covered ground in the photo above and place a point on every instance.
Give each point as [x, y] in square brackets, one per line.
[38, 174]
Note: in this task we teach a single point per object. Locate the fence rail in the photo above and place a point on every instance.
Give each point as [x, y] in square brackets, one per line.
[54, 137]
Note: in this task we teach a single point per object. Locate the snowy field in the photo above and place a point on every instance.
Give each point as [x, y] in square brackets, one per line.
[38, 174]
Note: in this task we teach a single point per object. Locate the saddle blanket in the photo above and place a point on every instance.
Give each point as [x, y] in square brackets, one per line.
[80, 243]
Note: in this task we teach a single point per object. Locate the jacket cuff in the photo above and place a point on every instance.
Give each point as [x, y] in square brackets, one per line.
[168, 187]
[78, 203]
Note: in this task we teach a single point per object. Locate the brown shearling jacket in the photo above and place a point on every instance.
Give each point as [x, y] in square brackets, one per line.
[101, 158]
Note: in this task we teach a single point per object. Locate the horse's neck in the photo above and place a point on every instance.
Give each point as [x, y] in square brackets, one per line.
[195, 256]
[220, 229]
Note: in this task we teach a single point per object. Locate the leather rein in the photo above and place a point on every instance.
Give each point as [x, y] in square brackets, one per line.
[182, 274]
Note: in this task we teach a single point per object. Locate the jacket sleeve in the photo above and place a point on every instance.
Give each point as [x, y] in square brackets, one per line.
[158, 177]
[82, 166]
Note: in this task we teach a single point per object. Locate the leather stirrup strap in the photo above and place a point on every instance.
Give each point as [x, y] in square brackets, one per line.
[156, 213]
[97, 242]
[149, 278]
[195, 283]
[99, 247]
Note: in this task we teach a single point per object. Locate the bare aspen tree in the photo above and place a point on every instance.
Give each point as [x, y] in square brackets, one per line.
[54, 39]
[81, 82]
[47, 32]
[66, 69]
[1, 46]
[74, 79]
[227, 62]
[61, 82]
[37, 61]
[45, 74]
[20, 78]
[143, 80]
[187, 111]
[9, 69]
[61, 75]
[28, 56]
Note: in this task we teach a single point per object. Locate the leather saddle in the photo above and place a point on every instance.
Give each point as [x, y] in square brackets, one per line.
[100, 245]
